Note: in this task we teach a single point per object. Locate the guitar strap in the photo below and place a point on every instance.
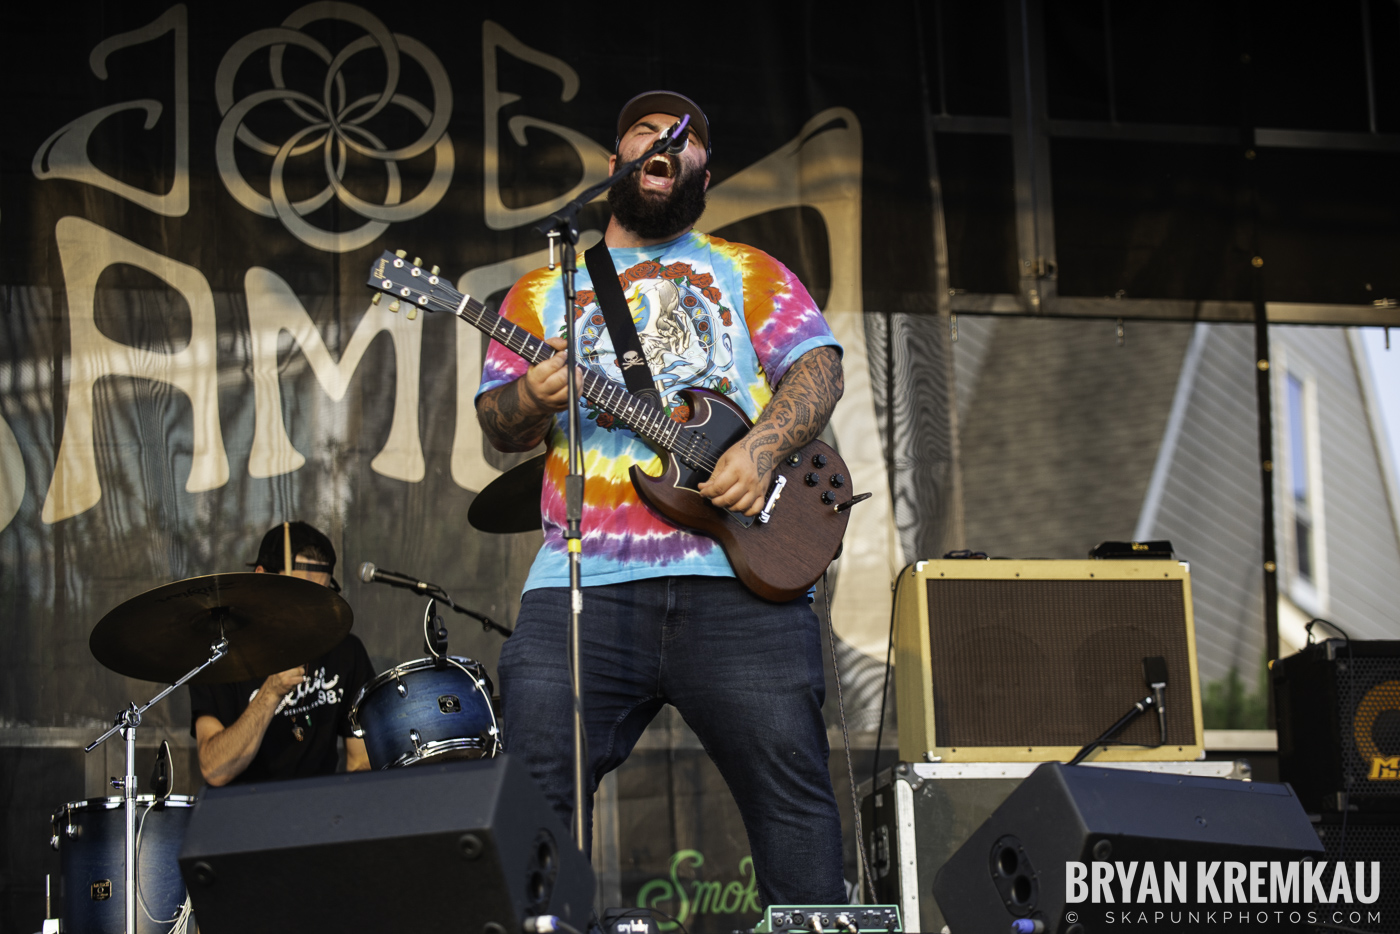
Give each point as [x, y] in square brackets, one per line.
[618, 317]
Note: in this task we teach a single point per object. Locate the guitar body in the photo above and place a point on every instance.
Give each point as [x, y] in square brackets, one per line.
[781, 558]
[777, 559]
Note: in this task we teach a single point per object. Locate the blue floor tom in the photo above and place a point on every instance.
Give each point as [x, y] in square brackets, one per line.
[90, 837]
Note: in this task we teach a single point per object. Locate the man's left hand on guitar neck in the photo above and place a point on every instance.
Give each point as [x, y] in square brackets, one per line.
[797, 413]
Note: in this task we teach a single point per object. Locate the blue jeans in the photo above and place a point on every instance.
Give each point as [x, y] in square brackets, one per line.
[745, 674]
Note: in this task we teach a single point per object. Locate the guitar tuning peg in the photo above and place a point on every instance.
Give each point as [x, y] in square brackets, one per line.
[376, 298]
[436, 270]
[400, 253]
[394, 305]
[418, 261]
[412, 312]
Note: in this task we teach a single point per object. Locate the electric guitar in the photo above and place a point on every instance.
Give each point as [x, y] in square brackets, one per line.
[804, 516]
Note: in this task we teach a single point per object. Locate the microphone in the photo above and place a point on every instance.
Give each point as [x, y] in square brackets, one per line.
[373, 575]
[1154, 672]
[679, 136]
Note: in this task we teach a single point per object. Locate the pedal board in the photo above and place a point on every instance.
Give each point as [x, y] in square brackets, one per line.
[829, 919]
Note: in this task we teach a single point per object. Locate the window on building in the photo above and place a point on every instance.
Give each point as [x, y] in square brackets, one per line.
[1300, 481]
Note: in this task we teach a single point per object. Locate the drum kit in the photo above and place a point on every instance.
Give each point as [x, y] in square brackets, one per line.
[118, 854]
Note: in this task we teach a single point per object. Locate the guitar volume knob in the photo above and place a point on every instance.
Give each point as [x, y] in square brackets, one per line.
[838, 480]
[819, 460]
[828, 497]
[812, 478]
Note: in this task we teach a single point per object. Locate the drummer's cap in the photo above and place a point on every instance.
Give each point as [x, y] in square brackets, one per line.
[663, 102]
[312, 550]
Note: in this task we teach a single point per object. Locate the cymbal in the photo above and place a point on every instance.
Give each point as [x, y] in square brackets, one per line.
[272, 623]
[511, 502]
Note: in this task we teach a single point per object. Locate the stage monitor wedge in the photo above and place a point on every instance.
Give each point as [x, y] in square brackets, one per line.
[1026, 661]
[1035, 857]
[462, 847]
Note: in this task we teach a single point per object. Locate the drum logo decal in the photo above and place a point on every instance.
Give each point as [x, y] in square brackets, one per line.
[101, 890]
[450, 703]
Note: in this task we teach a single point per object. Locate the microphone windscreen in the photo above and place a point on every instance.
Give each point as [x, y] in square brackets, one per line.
[367, 572]
[1154, 669]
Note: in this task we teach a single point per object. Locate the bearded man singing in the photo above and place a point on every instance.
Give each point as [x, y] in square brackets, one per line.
[664, 619]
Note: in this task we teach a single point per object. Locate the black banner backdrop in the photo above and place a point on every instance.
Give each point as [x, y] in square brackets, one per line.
[191, 197]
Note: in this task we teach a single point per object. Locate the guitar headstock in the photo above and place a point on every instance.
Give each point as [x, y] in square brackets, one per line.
[393, 275]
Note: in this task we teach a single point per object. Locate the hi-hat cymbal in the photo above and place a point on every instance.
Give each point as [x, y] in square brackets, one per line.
[272, 623]
[511, 502]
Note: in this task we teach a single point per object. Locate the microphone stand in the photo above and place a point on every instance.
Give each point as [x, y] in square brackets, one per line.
[487, 623]
[562, 231]
[1138, 709]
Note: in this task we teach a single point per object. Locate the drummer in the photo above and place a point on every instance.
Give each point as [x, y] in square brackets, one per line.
[286, 725]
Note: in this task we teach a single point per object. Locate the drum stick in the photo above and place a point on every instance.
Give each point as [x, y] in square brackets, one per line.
[286, 548]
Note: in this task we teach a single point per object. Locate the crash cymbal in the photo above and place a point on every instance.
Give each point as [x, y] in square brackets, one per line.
[511, 502]
[272, 623]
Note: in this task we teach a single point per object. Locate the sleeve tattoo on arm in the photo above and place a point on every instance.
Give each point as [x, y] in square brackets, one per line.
[799, 409]
[506, 425]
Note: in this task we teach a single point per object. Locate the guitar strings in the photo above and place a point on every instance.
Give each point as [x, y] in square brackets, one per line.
[691, 448]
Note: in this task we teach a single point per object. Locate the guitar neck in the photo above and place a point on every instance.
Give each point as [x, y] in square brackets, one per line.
[645, 419]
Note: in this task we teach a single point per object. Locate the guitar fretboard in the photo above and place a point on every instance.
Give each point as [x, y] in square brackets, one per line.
[645, 419]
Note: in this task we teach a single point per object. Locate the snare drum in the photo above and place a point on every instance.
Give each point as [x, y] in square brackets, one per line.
[418, 711]
[90, 837]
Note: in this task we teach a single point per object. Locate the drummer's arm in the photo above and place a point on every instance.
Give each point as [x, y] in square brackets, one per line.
[356, 756]
[224, 752]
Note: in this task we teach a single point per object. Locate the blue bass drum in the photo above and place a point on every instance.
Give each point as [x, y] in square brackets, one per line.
[90, 837]
[427, 710]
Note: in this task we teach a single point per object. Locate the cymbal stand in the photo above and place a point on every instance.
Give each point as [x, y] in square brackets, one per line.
[126, 723]
[562, 232]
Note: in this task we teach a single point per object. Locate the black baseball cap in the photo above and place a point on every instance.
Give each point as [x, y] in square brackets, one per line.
[663, 102]
[305, 538]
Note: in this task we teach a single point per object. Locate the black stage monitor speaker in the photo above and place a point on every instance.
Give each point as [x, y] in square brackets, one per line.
[1017, 865]
[1026, 661]
[1338, 708]
[465, 847]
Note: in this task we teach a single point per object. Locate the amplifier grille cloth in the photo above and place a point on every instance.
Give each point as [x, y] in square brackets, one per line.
[1371, 688]
[1369, 838]
[1054, 662]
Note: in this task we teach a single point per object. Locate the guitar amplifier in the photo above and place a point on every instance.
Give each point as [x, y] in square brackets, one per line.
[1001, 661]
[1338, 709]
[1366, 838]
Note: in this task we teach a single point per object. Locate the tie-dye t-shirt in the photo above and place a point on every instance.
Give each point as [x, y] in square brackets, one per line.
[717, 315]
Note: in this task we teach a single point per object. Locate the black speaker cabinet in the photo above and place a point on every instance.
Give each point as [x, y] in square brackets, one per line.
[1016, 864]
[917, 814]
[1366, 838]
[465, 847]
[1338, 710]
[1026, 661]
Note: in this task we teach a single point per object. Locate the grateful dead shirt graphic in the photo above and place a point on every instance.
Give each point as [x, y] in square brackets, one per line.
[709, 314]
[678, 313]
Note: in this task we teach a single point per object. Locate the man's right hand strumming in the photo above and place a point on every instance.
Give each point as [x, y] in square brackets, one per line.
[517, 416]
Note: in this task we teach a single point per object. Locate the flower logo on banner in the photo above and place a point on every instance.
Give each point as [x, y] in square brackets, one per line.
[335, 125]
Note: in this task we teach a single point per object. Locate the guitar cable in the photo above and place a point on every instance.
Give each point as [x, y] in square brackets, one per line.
[846, 737]
[885, 685]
